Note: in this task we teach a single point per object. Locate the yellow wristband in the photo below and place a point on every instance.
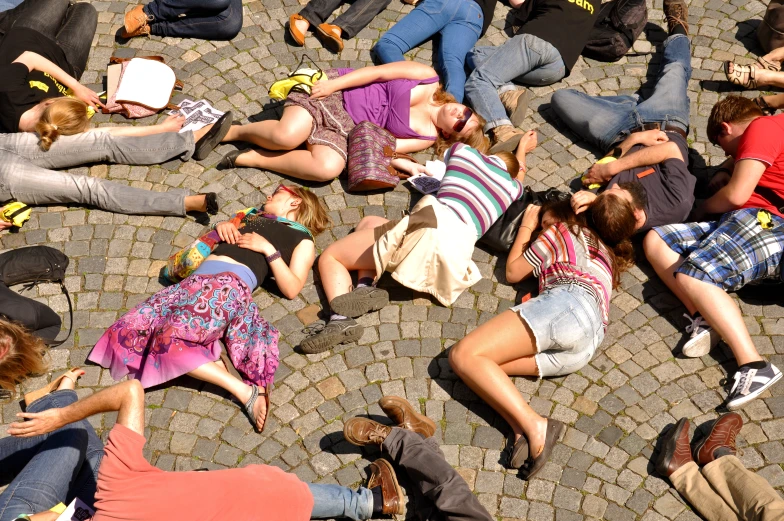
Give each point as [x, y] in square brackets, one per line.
[59, 508]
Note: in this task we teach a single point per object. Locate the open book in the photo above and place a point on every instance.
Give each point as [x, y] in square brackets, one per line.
[146, 82]
[429, 184]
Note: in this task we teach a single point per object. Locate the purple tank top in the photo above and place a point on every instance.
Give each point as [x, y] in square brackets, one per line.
[387, 104]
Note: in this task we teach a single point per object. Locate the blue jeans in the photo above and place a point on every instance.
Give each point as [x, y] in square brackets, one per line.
[52, 468]
[333, 501]
[203, 19]
[524, 59]
[606, 120]
[457, 23]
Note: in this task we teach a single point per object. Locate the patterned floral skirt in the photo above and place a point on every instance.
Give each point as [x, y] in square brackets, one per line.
[181, 328]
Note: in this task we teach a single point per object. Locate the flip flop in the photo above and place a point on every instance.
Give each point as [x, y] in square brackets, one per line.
[742, 75]
[248, 406]
[73, 374]
[534, 464]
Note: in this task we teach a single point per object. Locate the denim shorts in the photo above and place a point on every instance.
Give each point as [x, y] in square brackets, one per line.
[567, 325]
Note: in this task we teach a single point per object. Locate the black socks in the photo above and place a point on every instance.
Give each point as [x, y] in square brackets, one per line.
[760, 364]
[679, 29]
[378, 501]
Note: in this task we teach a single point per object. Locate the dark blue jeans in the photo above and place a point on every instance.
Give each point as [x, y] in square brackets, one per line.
[49, 469]
[203, 19]
[606, 120]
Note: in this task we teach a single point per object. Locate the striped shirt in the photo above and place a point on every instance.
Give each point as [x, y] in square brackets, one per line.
[560, 257]
[477, 187]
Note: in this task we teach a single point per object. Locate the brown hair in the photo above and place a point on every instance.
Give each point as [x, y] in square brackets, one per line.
[621, 252]
[63, 117]
[512, 164]
[311, 213]
[475, 139]
[24, 355]
[732, 109]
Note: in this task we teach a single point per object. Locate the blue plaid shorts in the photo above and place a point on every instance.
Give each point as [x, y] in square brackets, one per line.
[728, 253]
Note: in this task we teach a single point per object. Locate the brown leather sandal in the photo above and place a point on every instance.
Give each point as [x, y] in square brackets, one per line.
[294, 32]
[331, 41]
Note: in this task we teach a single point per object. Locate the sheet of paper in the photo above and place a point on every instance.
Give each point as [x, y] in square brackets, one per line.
[197, 114]
[136, 86]
[429, 184]
[77, 511]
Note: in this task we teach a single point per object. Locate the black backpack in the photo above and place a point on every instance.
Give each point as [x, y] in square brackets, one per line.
[618, 26]
[30, 266]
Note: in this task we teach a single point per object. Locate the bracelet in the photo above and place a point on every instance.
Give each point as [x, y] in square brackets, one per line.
[274, 256]
[524, 226]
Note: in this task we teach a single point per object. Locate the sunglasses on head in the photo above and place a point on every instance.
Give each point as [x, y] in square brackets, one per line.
[285, 189]
[461, 123]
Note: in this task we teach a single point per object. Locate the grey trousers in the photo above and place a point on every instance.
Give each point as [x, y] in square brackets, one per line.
[434, 478]
[26, 175]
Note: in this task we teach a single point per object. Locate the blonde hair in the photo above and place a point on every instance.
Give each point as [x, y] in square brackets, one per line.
[24, 354]
[475, 139]
[63, 117]
[512, 164]
[311, 213]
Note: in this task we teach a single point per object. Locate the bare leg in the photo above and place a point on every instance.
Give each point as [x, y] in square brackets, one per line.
[716, 306]
[478, 360]
[775, 101]
[213, 373]
[196, 203]
[288, 133]
[665, 262]
[318, 163]
[352, 252]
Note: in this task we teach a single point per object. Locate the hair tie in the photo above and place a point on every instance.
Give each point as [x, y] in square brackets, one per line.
[54, 127]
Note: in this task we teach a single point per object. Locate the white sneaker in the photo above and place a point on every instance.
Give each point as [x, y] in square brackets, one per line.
[703, 338]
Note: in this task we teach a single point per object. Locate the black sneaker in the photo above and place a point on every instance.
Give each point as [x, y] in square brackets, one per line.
[325, 336]
[750, 383]
[210, 140]
[360, 301]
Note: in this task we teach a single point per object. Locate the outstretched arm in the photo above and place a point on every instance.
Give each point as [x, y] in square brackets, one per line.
[405, 70]
[738, 190]
[651, 155]
[34, 61]
[127, 398]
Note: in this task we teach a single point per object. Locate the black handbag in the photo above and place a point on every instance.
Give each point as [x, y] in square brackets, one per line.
[29, 266]
[502, 234]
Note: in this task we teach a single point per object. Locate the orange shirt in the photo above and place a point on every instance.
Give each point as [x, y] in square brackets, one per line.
[130, 489]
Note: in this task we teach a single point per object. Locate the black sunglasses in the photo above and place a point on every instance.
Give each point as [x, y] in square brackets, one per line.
[461, 123]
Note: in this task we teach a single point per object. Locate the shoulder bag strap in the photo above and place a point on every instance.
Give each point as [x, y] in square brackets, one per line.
[70, 318]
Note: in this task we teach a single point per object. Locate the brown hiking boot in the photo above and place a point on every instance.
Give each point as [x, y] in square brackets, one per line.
[136, 23]
[675, 451]
[721, 439]
[364, 431]
[505, 139]
[677, 13]
[383, 475]
[405, 416]
[516, 104]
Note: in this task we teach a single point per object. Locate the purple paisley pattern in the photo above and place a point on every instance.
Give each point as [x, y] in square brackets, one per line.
[181, 328]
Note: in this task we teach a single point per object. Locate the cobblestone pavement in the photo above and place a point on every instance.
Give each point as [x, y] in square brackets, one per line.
[615, 407]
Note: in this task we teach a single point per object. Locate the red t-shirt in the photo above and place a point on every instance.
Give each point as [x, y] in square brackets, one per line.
[764, 141]
[130, 489]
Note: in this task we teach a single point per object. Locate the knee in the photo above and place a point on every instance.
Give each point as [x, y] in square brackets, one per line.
[386, 50]
[559, 98]
[460, 356]
[652, 244]
[330, 167]
[369, 222]
[286, 138]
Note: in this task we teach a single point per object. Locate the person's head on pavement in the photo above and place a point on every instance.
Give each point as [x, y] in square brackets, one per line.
[729, 120]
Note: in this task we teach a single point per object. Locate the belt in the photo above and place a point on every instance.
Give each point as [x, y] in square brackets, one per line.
[658, 126]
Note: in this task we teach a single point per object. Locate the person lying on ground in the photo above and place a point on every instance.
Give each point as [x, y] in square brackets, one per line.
[429, 251]
[130, 489]
[737, 239]
[41, 471]
[404, 98]
[542, 52]
[27, 175]
[651, 178]
[440, 491]
[179, 330]
[553, 334]
[723, 489]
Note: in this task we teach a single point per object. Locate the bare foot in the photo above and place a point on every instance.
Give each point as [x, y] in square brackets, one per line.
[246, 159]
[198, 134]
[536, 439]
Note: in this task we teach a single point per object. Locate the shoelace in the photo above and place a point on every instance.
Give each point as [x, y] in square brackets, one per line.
[743, 381]
[694, 323]
[315, 329]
